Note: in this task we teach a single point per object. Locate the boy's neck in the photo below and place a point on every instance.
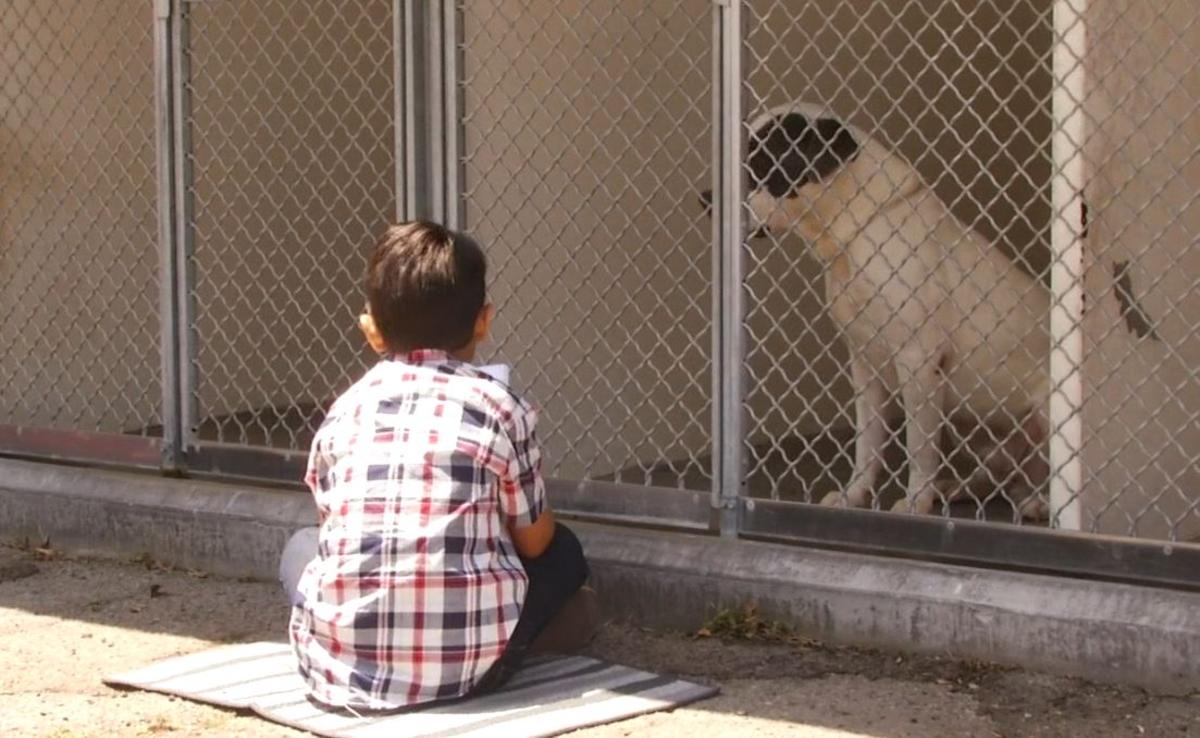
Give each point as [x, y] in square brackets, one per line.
[465, 354]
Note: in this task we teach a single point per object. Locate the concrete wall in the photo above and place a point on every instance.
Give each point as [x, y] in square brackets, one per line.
[1087, 628]
[79, 327]
[1142, 437]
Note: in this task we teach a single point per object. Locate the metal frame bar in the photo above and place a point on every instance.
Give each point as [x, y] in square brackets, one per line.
[728, 301]
[412, 107]
[254, 463]
[927, 538]
[64, 444]
[400, 107]
[973, 543]
[630, 504]
[172, 454]
[185, 246]
[602, 501]
[428, 103]
[435, 110]
[452, 130]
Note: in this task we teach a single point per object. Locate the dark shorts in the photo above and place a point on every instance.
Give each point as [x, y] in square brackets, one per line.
[554, 577]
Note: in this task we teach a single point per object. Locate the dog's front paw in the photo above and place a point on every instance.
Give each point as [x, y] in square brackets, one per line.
[920, 503]
[852, 496]
[919, 506]
[923, 502]
[1034, 507]
[835, 499]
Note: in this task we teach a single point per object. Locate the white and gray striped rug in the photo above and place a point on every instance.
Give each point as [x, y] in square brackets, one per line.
[549, 696]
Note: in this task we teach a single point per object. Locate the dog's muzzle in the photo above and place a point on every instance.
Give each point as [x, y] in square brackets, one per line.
[706, 200]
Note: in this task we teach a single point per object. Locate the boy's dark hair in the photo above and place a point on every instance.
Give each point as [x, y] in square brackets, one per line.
[425, 287]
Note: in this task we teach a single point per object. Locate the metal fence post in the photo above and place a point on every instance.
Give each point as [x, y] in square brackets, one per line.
[1066, 265]
[427, 106]
[451, 129]
[728, 349]
[412, 155]
[184, 228]
[400, 109]
[164, 172]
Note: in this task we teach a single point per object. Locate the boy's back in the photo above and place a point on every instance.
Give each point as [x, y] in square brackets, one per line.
[417, 471]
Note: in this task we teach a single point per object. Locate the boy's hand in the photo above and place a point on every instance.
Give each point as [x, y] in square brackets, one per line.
[532, 540]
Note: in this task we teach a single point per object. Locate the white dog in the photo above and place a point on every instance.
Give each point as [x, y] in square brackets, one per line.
[930, 310]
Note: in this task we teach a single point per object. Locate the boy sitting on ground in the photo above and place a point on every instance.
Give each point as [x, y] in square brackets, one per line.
[438, 563]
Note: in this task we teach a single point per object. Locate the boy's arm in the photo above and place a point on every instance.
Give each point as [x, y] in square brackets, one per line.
[532, 540]
[527, 514]
[316, 476]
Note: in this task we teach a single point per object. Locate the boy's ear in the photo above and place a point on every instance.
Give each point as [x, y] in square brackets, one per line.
[370, 331]
[483, 324]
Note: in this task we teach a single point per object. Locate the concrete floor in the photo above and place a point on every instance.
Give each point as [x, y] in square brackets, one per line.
[64, 623]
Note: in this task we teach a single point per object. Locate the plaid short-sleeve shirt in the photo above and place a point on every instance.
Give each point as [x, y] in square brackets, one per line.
[417, 471]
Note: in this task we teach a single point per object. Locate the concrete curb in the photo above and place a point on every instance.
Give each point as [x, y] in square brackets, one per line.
[1102, 631]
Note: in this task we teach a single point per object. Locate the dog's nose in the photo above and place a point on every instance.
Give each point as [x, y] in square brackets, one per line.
[760, 232]
[706, 201]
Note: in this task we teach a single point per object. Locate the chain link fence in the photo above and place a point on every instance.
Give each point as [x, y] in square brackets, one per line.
[970, 96]
[79, 265]
[292, 177]
[586, 126]
[1141, 410]
[962, 92]
[956, 145]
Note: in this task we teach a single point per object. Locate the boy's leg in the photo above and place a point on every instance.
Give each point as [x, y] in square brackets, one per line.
[300, 549]
[555, 579]
[573, 627]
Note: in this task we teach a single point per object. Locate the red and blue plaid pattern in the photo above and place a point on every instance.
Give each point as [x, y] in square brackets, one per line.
[417, 471]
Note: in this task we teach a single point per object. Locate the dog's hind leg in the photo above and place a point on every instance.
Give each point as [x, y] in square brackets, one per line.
[923, 392]
[1035, 469]
[870, 401]
[1005, 462]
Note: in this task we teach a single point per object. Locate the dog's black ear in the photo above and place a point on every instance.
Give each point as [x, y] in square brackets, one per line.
[834, 147]
[776, 157]
[790, 151]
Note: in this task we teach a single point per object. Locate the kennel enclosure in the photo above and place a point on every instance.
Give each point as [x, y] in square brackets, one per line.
[189, 189]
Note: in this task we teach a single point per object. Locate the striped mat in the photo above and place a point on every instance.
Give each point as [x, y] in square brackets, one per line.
[549, 696]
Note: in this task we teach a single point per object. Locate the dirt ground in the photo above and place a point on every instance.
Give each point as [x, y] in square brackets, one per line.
[71, 621]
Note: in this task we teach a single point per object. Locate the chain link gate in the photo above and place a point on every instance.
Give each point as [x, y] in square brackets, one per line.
[994, 107]
[585, 128]
[1048, 131]
[250, 152]
[287, 112]
[80, 372]
[963, 93]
